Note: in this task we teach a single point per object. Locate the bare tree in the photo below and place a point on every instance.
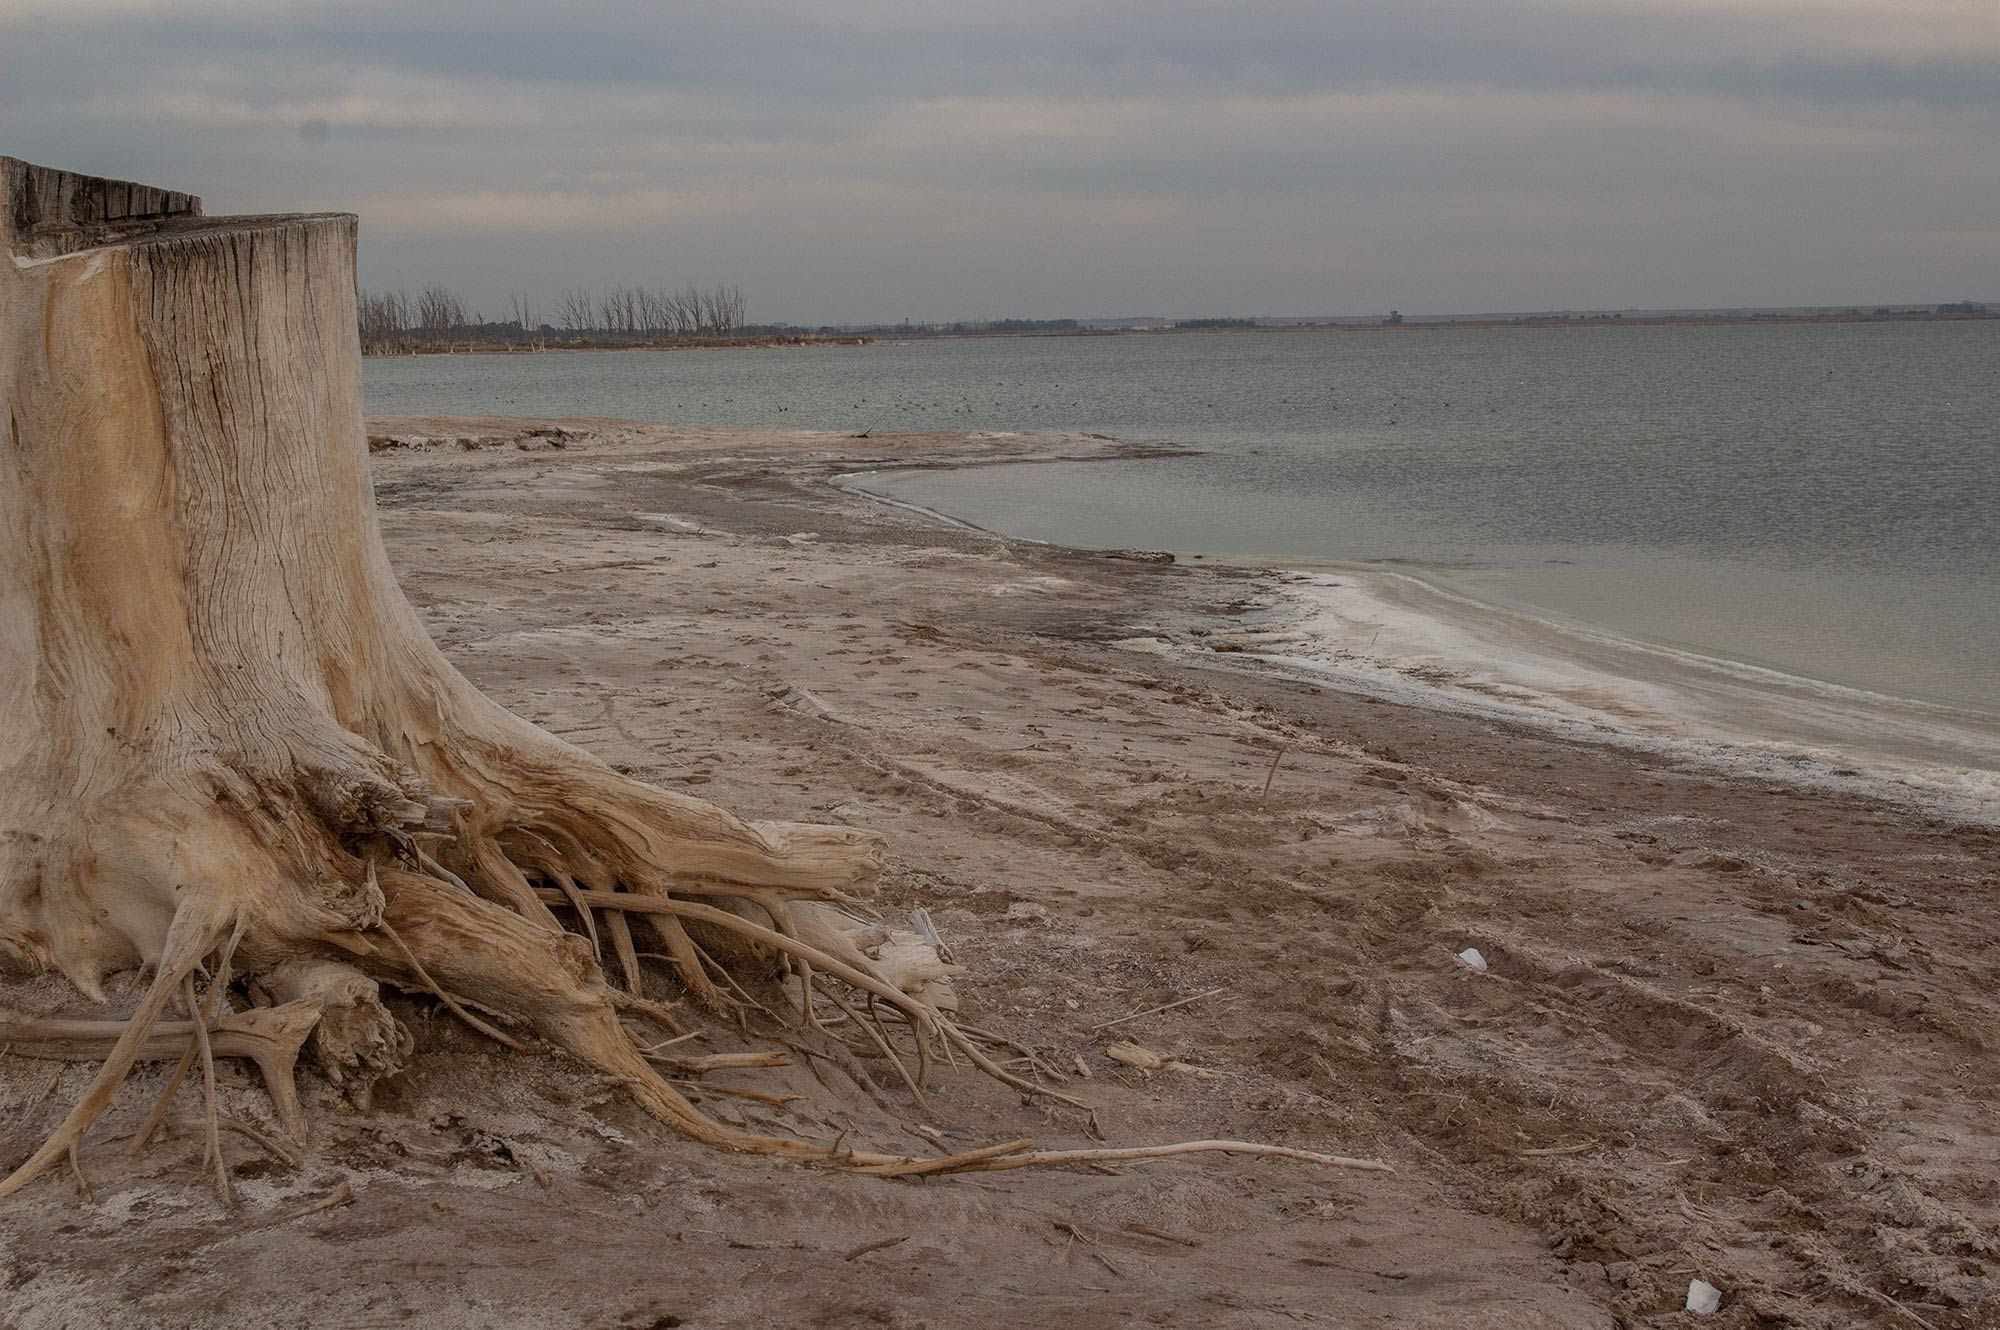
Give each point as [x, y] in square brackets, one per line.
[440, 313]
[384, 320]
[574, 310]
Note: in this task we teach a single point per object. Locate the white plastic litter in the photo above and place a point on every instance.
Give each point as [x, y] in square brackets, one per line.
[1704, 1298]
[1472, 960]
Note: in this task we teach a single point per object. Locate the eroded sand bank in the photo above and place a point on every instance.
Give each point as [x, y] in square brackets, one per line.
[1731, 1028]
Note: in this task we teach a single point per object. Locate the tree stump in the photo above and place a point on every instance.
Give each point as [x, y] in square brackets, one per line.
[224, 731]
[216, 708]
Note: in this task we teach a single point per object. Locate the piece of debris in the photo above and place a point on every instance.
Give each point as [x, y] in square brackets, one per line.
[1272, 774]
[799, 701]
[1472, 960]
[1555, 1150]
[1147, 1230]
[907, 960]
[1704, 1298]
[861, 1251]
[1146, 1060]
[920, 920]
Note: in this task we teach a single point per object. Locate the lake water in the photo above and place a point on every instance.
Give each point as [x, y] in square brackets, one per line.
[1817, 501]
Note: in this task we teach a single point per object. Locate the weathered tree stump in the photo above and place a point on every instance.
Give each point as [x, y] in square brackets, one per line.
[223, 729]
[216, 705]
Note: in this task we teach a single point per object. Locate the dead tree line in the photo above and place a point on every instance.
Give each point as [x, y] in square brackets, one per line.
[391, 319]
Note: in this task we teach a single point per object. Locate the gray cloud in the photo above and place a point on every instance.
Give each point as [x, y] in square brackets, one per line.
[875, 159]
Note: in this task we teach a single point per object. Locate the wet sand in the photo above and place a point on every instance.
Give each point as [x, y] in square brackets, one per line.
[1731, 1028]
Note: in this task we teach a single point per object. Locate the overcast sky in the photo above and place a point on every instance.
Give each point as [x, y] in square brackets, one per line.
[1045, 158]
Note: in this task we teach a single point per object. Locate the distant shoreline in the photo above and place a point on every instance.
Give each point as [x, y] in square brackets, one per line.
[1619, 321]
[1423, 324]
[1416, 324]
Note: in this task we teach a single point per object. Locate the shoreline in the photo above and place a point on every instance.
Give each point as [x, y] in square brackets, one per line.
[1471, 654]
[1726, 1026]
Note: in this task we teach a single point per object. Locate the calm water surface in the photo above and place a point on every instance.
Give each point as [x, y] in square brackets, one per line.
[1822, 499]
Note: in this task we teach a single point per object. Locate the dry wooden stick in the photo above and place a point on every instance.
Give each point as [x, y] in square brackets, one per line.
[47, 1090]
[966, 1161]
[341, 1195]
[916, 1037]
[863, 1250]
[268, 1036]
[269, 1146]
[650, 1049]
[923, 1047]
[1894, 1306]
[1272, 774]
[681, 909]
[745, 1002]
[1153, 1011]
[1005, 1157]
[739, 1092]
[438, 870]
[1147, 1230]
[717, 1061]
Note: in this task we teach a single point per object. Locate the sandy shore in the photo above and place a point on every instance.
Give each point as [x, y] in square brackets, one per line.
[1731, 1028]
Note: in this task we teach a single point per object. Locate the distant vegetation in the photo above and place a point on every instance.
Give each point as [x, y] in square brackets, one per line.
[624, 315]
[437, 319]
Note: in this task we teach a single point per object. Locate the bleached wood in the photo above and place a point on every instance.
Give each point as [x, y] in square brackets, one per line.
[211, 688]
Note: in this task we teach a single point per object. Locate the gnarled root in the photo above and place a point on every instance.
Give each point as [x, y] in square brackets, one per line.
[466, 934]
[357, 1041]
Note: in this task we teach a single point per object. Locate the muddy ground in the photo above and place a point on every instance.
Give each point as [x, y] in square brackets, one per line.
[1733, 1031]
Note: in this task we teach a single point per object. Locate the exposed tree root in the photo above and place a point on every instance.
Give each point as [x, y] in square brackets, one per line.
[435, 934]
[212, 1153]
[269, 1037]
[197, 926]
